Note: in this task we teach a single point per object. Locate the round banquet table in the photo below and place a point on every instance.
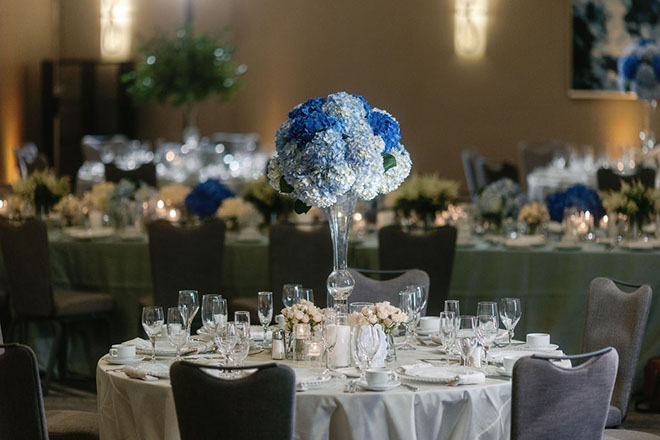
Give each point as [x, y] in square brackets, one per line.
[136, 409]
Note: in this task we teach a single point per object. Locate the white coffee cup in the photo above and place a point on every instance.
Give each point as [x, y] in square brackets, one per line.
[379, 377]
[538, 339]
[509, 362]
[122, 351]
[429, 323]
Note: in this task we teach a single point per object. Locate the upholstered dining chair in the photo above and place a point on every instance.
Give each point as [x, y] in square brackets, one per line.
[432, 251]
[225, 403]
[299, 256]
[22, 413]
[32, 297]
[537, 154]
[553, 402]
[487, 171]
[610, 180]
[185, 257]
[370, 290]
[144, 173]
[618, 319]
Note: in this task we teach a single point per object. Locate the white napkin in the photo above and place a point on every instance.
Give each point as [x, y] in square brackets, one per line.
[379, 357]
[165, 348]
[135, 373]
[452, 375]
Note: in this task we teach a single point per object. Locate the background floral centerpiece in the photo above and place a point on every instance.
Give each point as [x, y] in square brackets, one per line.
[206, 198]
[533, 215]
[69, 208]
[305, 312]
[331, 151]
[174, 195]
[500, 200]
[636, 202]
[271, 204]
[421, 197]
[580, 197]
[98, 198]
[42, 188]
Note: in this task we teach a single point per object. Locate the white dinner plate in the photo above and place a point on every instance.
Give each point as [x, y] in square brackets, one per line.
[123, 361]
[385, 387]
[525, 241]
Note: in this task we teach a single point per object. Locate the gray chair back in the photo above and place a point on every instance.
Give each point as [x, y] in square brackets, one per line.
[27, 262]
[22, 413]
[610, 180]
[299, 257]
[145, 173]
[468, 157]
[433, 252]
[488, 171]
[618, 319]
[186, 258]
[370, 290]
[538, 154]
[551, 402]
[228, 406]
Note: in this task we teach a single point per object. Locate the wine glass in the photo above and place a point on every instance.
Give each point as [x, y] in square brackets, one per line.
[487, 326]
[407, 306]
[222, 316]
[225, 338]
[242, 347]
[290, 294]
[265, 311]
[420, 298]
[242, 318]
[447, 331]
[152, 323]
[329, 336]
[368, 342]
[487, 308]
[176, 330]
[510, 313]
[453, 305]
[210, 312]
[188, 306]
[466, 337]
[307, 294]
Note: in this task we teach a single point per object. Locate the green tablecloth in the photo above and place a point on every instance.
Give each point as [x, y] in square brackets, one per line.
[552, 284]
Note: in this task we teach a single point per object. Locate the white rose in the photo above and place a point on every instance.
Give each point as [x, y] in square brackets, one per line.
[305, 319]
[299, 315]
[373, 319]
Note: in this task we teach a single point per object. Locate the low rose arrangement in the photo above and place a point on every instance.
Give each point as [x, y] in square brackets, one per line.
[383, 313]
[305, 312]
[533, 214]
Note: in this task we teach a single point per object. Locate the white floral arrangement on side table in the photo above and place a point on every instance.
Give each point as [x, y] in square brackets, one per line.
[383, 313]
[305, 312]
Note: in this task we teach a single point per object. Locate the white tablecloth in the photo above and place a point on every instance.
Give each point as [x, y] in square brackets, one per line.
[134, 409]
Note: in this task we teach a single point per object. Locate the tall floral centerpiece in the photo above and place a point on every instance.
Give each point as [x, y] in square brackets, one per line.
[639, 72]
[636, 202]
[330, 151]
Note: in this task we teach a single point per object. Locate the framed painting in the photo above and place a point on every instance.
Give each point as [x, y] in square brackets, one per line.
[601, 29]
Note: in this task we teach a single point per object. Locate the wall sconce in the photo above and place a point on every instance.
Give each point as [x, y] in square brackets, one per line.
[470, 28]
[115, 29]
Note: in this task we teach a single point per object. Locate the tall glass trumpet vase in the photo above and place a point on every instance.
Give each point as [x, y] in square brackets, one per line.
[340, 282]
[646, 135]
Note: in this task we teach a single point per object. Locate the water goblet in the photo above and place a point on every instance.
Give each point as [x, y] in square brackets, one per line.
[487, 308]
[176, 330]
[466, 337]
[407, 306]
[420, 297]
[188, 306]
[447, 331]
[487, 326]
[307, 294]
[329, 336]
[265, 311]
[290, 295]
[225, 338]
[210, 312]
[242, 317]
[368, 342]
[152, 323]
[510, 313]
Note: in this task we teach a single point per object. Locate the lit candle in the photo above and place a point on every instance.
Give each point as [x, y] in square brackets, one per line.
[302, 331]
[314, 349]
[342, 350]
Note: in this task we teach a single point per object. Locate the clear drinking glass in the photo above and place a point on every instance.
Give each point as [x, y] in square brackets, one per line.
[487, 326]
[420, 298]
[211, 312]
[453, 305]
[307, 294]
[510, 313]
[487, 308]
[407, 306]
[290, 295]
[152, 323]
[241, 349]
[188, 306]
[242, 318]
[176, 330]
[368, 342]
[466, 337]
[225, 338]
[447, 331]
[356, 307]
[329, 336]
[222, 317]
[265, 311]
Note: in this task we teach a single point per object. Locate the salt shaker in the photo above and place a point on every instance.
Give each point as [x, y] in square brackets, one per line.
[278, 344]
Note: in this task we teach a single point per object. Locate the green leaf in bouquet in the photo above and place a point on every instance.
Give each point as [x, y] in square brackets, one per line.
[285, 187]
[389, 161]
[301, 208]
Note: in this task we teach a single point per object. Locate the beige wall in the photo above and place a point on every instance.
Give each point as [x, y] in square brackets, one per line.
[400, 56]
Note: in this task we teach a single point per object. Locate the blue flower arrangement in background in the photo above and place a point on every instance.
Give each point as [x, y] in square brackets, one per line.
[500, 200]
[639, 69]
[205, 199]
[577, 196]
[331, 145]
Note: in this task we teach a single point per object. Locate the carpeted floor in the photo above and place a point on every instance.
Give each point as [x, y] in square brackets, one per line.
[62, 397]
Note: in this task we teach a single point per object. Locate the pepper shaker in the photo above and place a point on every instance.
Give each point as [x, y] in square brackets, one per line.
[278, 344]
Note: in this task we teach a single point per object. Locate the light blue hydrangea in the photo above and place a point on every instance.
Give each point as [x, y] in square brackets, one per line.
[501, 199]
[330, 146]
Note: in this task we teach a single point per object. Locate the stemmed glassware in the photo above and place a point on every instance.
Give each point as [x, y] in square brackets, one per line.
[368, 341]
[188, 306]
[290, 294]
[420, 297]
[466, 337]
[242, 318]
[407, 306]
[176, 330]
[447, 331]
[306, 294]
[211, 312]
[265, 311]
[487, 326]
[329, 336]
[487, 308]
[152, 323]
[510, 313]
[242, 347]
[225, 338]
[453, 305]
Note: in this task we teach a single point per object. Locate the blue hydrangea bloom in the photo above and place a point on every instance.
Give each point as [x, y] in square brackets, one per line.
[385, 126]
[207, 197]
[577, 196]
[630, 66]
[639, 69]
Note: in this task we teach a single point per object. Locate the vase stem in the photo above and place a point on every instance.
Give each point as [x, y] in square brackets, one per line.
[340, 282]
[647, 135]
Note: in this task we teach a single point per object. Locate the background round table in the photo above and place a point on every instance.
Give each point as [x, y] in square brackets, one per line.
[136, 409]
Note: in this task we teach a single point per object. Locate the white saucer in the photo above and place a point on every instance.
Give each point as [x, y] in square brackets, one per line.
[503, 372]
[426, 332]
[385, 387]
[123, 361]
[548, 347]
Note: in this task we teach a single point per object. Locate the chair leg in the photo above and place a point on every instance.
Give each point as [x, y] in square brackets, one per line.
[57, 327]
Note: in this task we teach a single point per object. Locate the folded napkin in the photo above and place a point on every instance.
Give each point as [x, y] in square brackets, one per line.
[135, 373]
[165, 348]
[449, 375]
